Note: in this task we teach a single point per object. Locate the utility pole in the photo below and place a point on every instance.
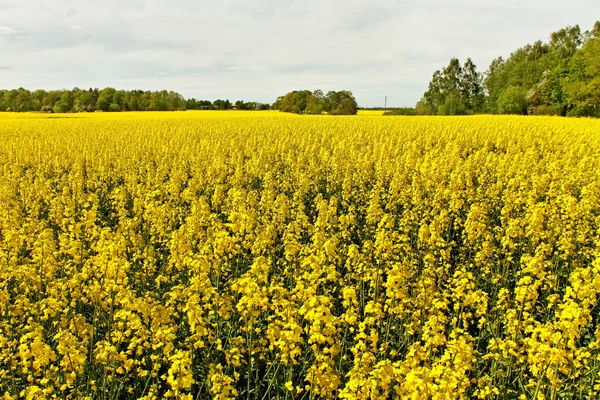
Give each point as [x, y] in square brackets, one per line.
[385, 104]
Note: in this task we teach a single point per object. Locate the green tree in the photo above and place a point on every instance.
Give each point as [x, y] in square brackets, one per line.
[221, 104]
[305, 101]
[342, 103]
[317, 103]
[434, 97]
[24, 101]
[473, 97]
[50, 100]
[494, 83]
[10, 102]
[301, 99]
[422, 108]
[513, 101]
[84, 102]
[277, 103]
[61, 107]
[582, 85]
[65, 104]
[132, 100]
[105, 99]
[454, 105]
[454, 90]
[119, 102]
[288, 102]
[175, 101]
[565, 42]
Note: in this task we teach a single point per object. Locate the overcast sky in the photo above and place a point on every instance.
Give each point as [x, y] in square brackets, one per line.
[259, 49]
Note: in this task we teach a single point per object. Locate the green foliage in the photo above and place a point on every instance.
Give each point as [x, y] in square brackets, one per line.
[193, 104]
[110, 99]
[561, 77]
[105, 99]
[401, 111]
[307, 102]
[455, 90]
[84, 102]
[454, 105]
[513, 101]
[342, 103]
[61, 107]
[295, 102]
[422, 108]
[583, 111]
[582, 85]
[555, 75]
[544, 110]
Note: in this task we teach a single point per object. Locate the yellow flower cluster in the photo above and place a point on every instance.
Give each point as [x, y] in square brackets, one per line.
[264, 255]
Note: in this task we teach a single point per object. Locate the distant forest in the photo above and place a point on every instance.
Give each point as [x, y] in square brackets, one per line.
[316, 102]
[561, 77]
[110, 99]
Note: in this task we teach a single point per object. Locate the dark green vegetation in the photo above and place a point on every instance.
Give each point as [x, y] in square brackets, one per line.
[110, 99]
[561, 77]
[193, 104]
[401, 111]
[307, 102]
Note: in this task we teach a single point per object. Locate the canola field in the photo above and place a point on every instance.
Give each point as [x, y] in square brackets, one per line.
[248, 255]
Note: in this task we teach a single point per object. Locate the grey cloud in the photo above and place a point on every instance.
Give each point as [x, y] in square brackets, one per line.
[7, 30]
[259, 49]
[10, 34]
[81, 29]
[5, 68]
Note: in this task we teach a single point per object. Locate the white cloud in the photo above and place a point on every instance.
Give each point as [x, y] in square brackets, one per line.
[7, 30]
[236, 67]
[80, 29]
[10, 36]
[259, 49]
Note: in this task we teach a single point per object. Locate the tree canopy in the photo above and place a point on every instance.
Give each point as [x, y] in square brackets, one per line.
[307, 102]
[111, 99]
[454, 90]
[560, 77]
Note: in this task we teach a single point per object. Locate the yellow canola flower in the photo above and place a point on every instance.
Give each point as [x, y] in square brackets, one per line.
[251, 254]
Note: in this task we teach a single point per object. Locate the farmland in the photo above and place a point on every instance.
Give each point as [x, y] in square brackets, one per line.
[262, 255]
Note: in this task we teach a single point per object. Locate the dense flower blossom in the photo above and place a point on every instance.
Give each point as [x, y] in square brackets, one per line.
[235, 255]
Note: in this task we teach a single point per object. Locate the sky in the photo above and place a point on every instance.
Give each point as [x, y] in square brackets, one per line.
[256, 50]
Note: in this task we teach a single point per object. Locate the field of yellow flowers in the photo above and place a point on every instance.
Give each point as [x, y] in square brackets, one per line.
[262, 255]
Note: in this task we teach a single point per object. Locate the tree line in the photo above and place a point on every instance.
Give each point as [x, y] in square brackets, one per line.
[110, 99]
[560, 77]
[193, 104]
[316, 102]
